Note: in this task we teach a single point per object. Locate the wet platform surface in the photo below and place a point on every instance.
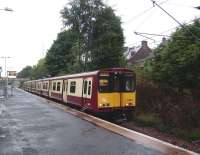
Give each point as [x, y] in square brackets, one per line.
[31, 126]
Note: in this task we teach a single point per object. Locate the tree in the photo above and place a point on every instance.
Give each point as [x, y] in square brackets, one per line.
[177, 63]
[108, 41]
[25, 72]
[98, 31]
[60, 58]
[39, 71]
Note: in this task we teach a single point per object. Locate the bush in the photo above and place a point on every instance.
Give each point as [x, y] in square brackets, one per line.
[148, 119]
[175, 109]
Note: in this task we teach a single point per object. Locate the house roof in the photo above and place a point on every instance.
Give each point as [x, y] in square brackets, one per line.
[141, 53]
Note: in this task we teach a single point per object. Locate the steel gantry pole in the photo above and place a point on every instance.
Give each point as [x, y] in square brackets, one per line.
[6, 76]
[4, 57]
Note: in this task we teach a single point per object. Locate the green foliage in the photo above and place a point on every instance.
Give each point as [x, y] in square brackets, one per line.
[148, 119]
[108, 40]
[39, 70]
[177, 63]
[99, 36]
[25, 72]
[60, 58]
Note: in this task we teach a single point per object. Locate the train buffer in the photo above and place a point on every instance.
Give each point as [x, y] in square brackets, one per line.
[32, 125]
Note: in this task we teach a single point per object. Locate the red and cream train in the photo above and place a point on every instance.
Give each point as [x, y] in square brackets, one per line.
[102, 91]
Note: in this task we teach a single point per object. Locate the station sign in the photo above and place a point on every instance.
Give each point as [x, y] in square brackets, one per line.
[12, 74]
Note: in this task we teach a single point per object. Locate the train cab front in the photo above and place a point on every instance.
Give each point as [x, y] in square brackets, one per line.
[116, 90]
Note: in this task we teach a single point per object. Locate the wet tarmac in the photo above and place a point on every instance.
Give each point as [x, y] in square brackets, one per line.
[28, 126]
[31, 126]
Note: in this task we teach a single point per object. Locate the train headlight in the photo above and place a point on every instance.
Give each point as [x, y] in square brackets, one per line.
[100, 105]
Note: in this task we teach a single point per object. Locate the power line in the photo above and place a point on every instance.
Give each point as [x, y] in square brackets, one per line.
[154, 3]
[141, 34]
[138, 15]
[182, 5]
[151, 34]
[143, 12]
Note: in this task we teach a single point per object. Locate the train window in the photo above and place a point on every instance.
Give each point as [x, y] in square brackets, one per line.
[116, 82]
[73, 87]
[104, 83]
[54, 85]
[89, 88]
[128, 83]
[58, 86]
[85, 87]
[43, 86]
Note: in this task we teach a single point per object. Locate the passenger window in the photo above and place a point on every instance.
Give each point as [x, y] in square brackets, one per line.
[85, 87]
[72, 87]
[58, 86]
[89, 88]
[54, 86]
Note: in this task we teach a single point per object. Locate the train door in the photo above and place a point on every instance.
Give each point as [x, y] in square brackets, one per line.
[87, 92]
[65, 90]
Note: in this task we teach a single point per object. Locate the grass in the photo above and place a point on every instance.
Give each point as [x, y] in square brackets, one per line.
[152, 120]
[189, 135]
[148, 119]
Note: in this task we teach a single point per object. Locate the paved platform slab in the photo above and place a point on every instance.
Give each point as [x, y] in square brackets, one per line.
[31, 126]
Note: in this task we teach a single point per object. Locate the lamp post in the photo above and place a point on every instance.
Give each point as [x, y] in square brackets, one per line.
[6, 75]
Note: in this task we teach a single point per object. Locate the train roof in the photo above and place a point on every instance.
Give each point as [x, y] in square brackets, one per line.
[83, 74]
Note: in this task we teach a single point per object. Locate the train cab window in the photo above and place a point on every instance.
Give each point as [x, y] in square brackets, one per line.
[72, 87]
[128, 83]
[58, 86]
[104, 83]
[89, 87]
[54, 86]
[85, 87]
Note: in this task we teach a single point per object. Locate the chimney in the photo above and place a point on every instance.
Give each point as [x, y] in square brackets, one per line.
[144, 44]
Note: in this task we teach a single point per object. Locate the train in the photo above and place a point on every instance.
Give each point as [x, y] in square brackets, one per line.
[105, 91]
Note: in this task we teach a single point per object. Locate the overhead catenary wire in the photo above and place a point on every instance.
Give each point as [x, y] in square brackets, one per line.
[142, 13]
[141, 34]
[182, 5]
[151, 34]
[156, 4]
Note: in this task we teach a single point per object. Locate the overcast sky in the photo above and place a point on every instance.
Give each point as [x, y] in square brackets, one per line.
[27, 33]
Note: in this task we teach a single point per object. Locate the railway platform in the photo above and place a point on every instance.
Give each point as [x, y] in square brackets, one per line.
[30, 125]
